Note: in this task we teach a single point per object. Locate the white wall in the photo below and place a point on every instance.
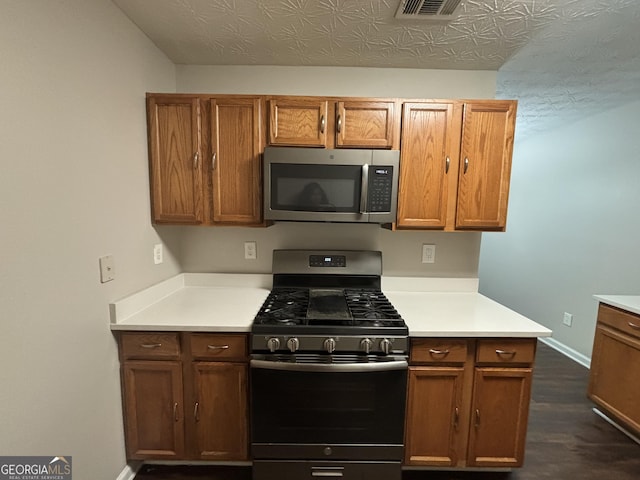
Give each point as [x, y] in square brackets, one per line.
[221, 249]
[573, 226]
[73, 187]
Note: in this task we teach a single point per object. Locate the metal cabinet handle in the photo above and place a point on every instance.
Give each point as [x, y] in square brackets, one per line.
[506, 353]
[447, 162]
[196, 413]
[217, 347]
[339, 124]
[477, 423]
[456, 418]
[322, 124]
[466, 164]
[633, 325]
[213, 161]
[434, 351]
[364, 188]
[196, 160]
[327, 472]
[150, 345]
[175, 412]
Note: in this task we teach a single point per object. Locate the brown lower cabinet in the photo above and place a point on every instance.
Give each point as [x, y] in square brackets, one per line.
[185, 395]
[615, 366]
[468, 402]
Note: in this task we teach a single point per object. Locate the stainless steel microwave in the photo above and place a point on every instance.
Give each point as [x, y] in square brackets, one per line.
[324, 185]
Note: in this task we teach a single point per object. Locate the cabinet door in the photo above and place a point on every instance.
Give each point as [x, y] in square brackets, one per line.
[434, 428]
[298, 122]
[365, 124]
[500, 411]
[220, 410]
[486, 150]
[175, 159]
[428, 165]
[153, 409]
[614, 374]
[236, 144]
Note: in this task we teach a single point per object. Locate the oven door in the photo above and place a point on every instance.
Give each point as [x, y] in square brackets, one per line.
[328, 407]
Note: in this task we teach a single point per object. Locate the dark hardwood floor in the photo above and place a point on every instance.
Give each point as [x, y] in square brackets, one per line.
[565, 440]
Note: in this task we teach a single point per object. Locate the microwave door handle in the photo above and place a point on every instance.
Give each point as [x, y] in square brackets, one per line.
[364, 189]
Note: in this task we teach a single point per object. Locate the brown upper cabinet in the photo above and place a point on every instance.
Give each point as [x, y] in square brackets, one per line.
[236, 173]
[455, 164]
[175, 159]
[204, 155]
[333, 122]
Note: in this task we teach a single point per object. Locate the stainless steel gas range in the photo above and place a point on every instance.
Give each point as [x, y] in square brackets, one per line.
[328, 370]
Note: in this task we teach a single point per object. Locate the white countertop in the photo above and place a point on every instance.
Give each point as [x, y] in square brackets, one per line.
[229, 302]
[630, 303]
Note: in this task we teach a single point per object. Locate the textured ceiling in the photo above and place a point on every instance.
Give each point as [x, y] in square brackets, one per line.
[560, 58]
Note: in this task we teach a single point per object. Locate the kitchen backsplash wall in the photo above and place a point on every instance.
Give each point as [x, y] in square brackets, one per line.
[221, 249]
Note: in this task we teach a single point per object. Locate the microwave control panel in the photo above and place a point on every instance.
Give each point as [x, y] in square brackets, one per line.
[380, 188]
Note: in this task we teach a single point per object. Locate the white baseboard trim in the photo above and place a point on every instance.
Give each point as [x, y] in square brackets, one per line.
[567, 351]
[619, 427]
[129, 471]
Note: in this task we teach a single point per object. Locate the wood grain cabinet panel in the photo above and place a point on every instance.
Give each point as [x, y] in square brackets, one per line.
[236, 146]
[499, 415]
[462, 410]
[430, 145]
[365, 124]
[296, 121]
[455, 164]
[485, 154]
[175, 159]
[615, 367]
[435, 430]
[194, 407]
[220, 410]
[153, 409]
[333, 122]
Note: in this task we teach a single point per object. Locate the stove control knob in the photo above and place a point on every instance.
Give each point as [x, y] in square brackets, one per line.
[273, 344]
[365, 345]
[330, 345]
[385, 345]
[293, 344]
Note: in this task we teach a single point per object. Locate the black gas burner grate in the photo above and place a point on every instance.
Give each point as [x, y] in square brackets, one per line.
[371, 308]
[365, 308]
[284, 306]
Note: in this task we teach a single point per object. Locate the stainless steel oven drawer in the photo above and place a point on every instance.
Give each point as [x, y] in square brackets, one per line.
[307, 470]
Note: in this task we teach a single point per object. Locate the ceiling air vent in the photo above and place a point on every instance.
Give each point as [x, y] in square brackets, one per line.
[434, 10]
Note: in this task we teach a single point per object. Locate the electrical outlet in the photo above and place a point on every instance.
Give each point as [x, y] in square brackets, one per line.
[250, 251]
[567, 319]
[107, 269]
[428, 253]
[157, 253]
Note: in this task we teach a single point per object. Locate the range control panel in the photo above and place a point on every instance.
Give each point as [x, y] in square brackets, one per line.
[327, 261]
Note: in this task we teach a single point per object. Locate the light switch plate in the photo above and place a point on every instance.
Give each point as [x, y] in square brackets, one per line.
[107, 269]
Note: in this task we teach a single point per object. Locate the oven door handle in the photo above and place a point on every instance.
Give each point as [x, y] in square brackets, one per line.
[330, 367]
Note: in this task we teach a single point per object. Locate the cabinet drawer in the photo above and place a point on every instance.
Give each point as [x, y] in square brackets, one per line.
[150, 345]
[218, 347]
[622, 320]
[438, 350]
[504, 351]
